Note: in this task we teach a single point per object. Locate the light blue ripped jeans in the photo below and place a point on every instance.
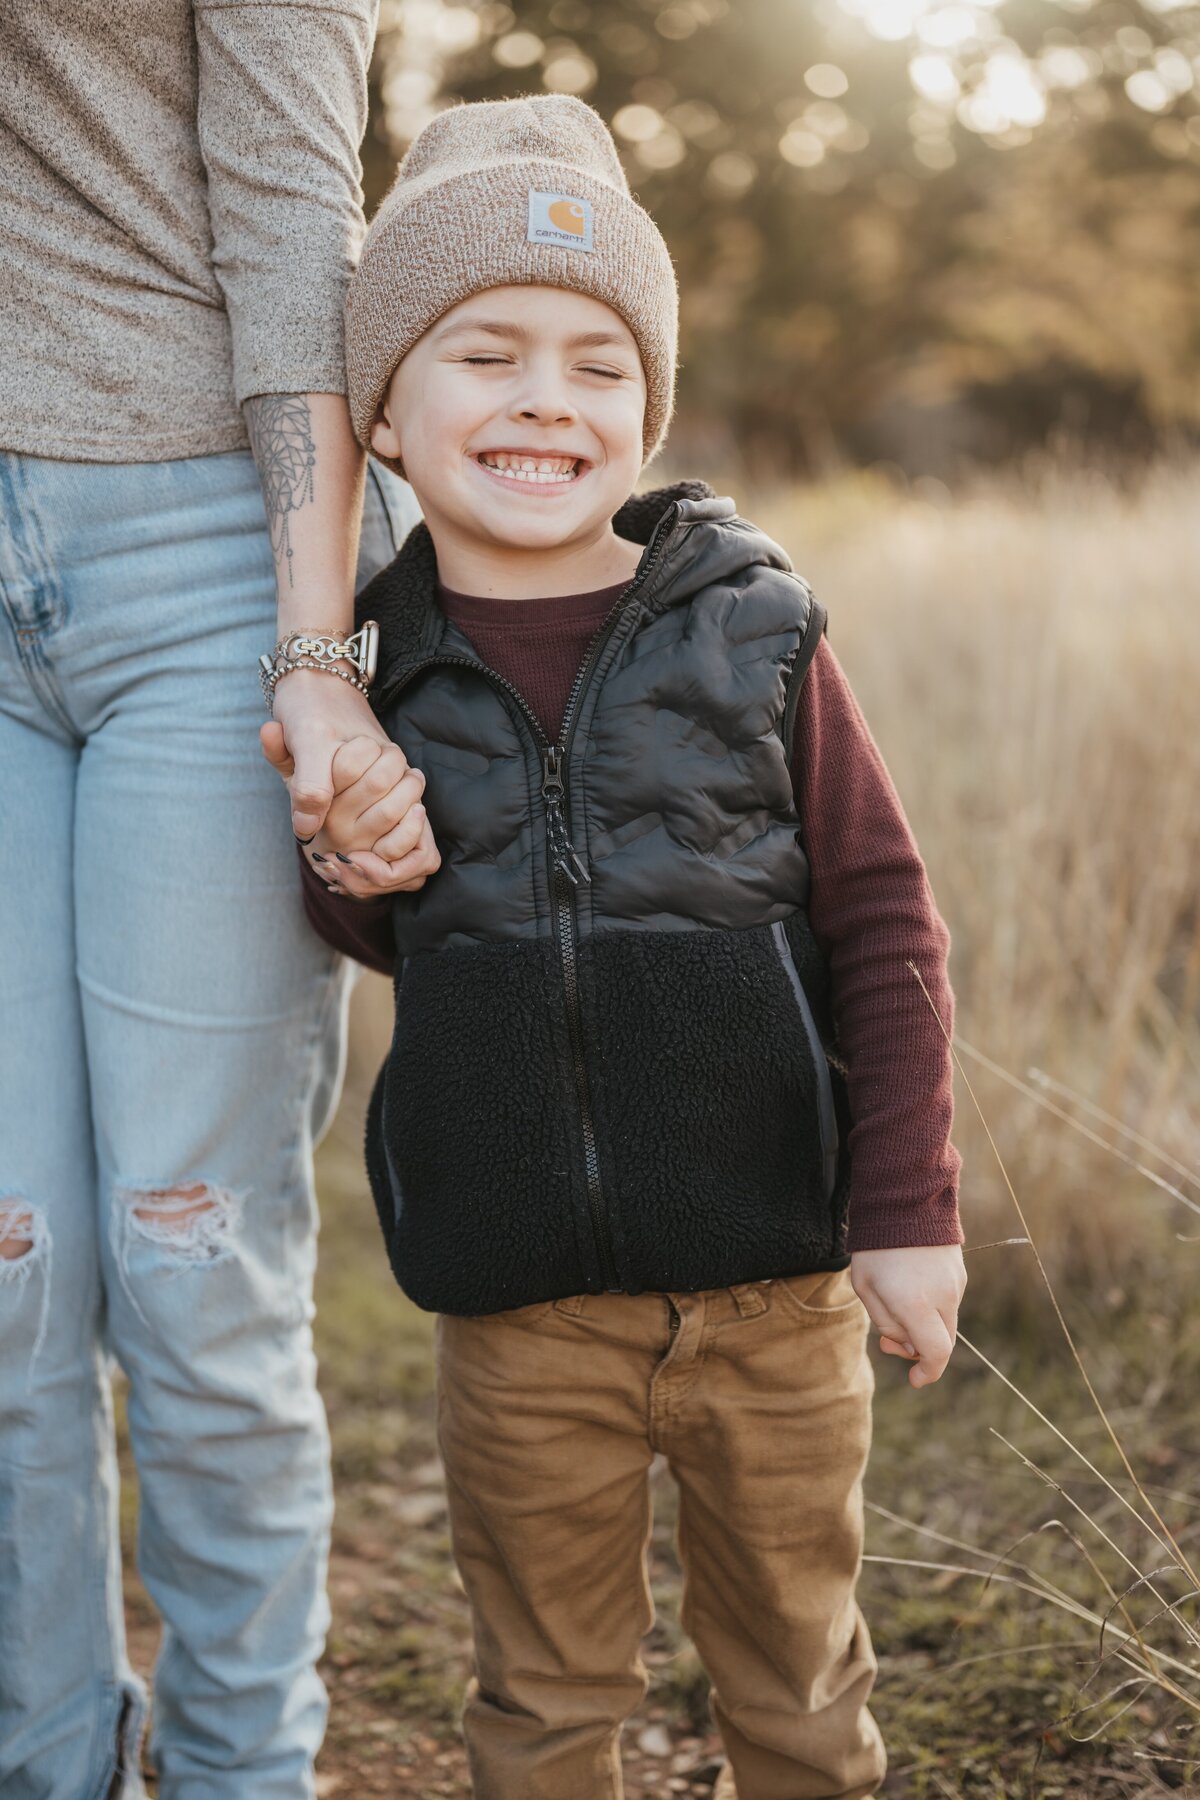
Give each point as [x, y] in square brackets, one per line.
[170, 1033]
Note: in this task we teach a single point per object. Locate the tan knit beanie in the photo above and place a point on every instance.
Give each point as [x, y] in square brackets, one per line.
[501, 193]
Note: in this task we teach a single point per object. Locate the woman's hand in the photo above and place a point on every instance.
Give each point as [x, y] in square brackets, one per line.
[912, 1297]
[372, 808]
[365, 876]
[314, 716]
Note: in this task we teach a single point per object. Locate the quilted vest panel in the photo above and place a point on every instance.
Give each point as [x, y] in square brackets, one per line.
[678, 791]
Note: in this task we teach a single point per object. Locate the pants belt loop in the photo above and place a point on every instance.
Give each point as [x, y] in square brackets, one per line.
[749, 1299]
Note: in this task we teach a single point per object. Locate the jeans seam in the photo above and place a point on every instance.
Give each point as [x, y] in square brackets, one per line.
[166, 1015]
[43, 685]
[330, 1002]
[31, 553]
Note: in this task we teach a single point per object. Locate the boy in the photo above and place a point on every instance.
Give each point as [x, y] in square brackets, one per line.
[609, 1146]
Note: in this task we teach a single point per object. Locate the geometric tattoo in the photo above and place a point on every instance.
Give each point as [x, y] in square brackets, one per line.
[280, 428]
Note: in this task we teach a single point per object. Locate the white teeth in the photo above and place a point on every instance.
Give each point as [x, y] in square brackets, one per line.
[548, 469]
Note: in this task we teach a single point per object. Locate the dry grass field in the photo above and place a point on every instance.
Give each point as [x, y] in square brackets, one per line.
[1028, 655]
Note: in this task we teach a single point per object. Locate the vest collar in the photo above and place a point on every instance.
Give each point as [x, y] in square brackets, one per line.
[699, 538]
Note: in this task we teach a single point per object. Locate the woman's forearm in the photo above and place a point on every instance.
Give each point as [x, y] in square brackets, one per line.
[311, 471]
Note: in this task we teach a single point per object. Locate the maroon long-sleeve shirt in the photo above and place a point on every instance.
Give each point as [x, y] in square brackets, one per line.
[870, 908]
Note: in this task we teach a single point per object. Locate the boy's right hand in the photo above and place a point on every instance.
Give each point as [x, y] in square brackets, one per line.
[912, 1296]
[376, 815]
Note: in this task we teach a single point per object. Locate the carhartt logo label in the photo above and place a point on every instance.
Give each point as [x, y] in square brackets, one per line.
[560, 219]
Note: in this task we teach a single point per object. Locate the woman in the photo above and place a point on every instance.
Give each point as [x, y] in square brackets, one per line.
[181, 209]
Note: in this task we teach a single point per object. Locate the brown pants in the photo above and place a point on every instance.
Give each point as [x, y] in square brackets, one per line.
[759, 1397]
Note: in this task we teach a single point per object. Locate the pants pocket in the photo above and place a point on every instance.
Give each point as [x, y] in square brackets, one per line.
[816, 1297]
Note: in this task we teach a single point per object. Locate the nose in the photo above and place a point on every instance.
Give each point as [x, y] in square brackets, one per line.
[545, 412]
[544, 399]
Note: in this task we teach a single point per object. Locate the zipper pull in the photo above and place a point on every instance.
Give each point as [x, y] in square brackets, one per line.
[554, 793]
[553, 789]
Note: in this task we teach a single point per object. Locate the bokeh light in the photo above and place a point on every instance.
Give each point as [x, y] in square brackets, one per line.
[943, 184]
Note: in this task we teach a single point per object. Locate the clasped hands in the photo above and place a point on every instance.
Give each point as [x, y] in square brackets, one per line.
[356, 802]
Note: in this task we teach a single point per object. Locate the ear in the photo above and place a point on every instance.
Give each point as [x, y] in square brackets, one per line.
[385, 440]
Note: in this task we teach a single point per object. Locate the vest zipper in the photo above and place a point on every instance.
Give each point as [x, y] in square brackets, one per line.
[565, 859]
[566, 871]
[563, 884]
[567, 868]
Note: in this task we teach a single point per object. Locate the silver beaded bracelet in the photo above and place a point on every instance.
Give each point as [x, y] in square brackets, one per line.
[271, 682]
[318, 650]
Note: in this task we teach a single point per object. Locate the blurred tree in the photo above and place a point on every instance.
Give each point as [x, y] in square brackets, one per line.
[916, 228]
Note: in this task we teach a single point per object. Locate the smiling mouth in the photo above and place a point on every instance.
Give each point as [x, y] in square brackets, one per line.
[533, 471]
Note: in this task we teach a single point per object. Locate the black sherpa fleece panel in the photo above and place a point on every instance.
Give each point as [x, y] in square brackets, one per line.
[705, 1095]
[479, 1119]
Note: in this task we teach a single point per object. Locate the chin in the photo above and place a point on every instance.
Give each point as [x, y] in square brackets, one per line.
[521, 526]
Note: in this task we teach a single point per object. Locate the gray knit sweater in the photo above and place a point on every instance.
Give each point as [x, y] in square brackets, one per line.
[180, 209]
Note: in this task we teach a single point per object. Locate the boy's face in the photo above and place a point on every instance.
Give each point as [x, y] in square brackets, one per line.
[518, 418]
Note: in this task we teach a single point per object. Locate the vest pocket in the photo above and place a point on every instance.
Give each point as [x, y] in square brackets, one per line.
[469, 1147]
[706, 1086]
[827, 1113]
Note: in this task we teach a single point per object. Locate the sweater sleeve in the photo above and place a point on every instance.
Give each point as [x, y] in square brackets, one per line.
[281, 110]
[361, 929]
[872, 911]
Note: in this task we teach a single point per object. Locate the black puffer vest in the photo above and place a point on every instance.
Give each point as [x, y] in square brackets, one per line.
[609, 1068]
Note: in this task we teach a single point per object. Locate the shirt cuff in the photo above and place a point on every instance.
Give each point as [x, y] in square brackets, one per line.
[935, 1221]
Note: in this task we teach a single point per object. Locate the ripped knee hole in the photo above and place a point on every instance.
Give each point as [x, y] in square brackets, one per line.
[192, 1219]
[18, 1236]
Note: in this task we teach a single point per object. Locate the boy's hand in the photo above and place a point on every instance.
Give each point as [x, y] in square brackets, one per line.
[375, 813]
[912, 1297]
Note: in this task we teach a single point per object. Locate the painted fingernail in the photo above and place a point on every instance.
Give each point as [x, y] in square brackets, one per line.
[344, 859]
[305, 841]
[317, 857]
